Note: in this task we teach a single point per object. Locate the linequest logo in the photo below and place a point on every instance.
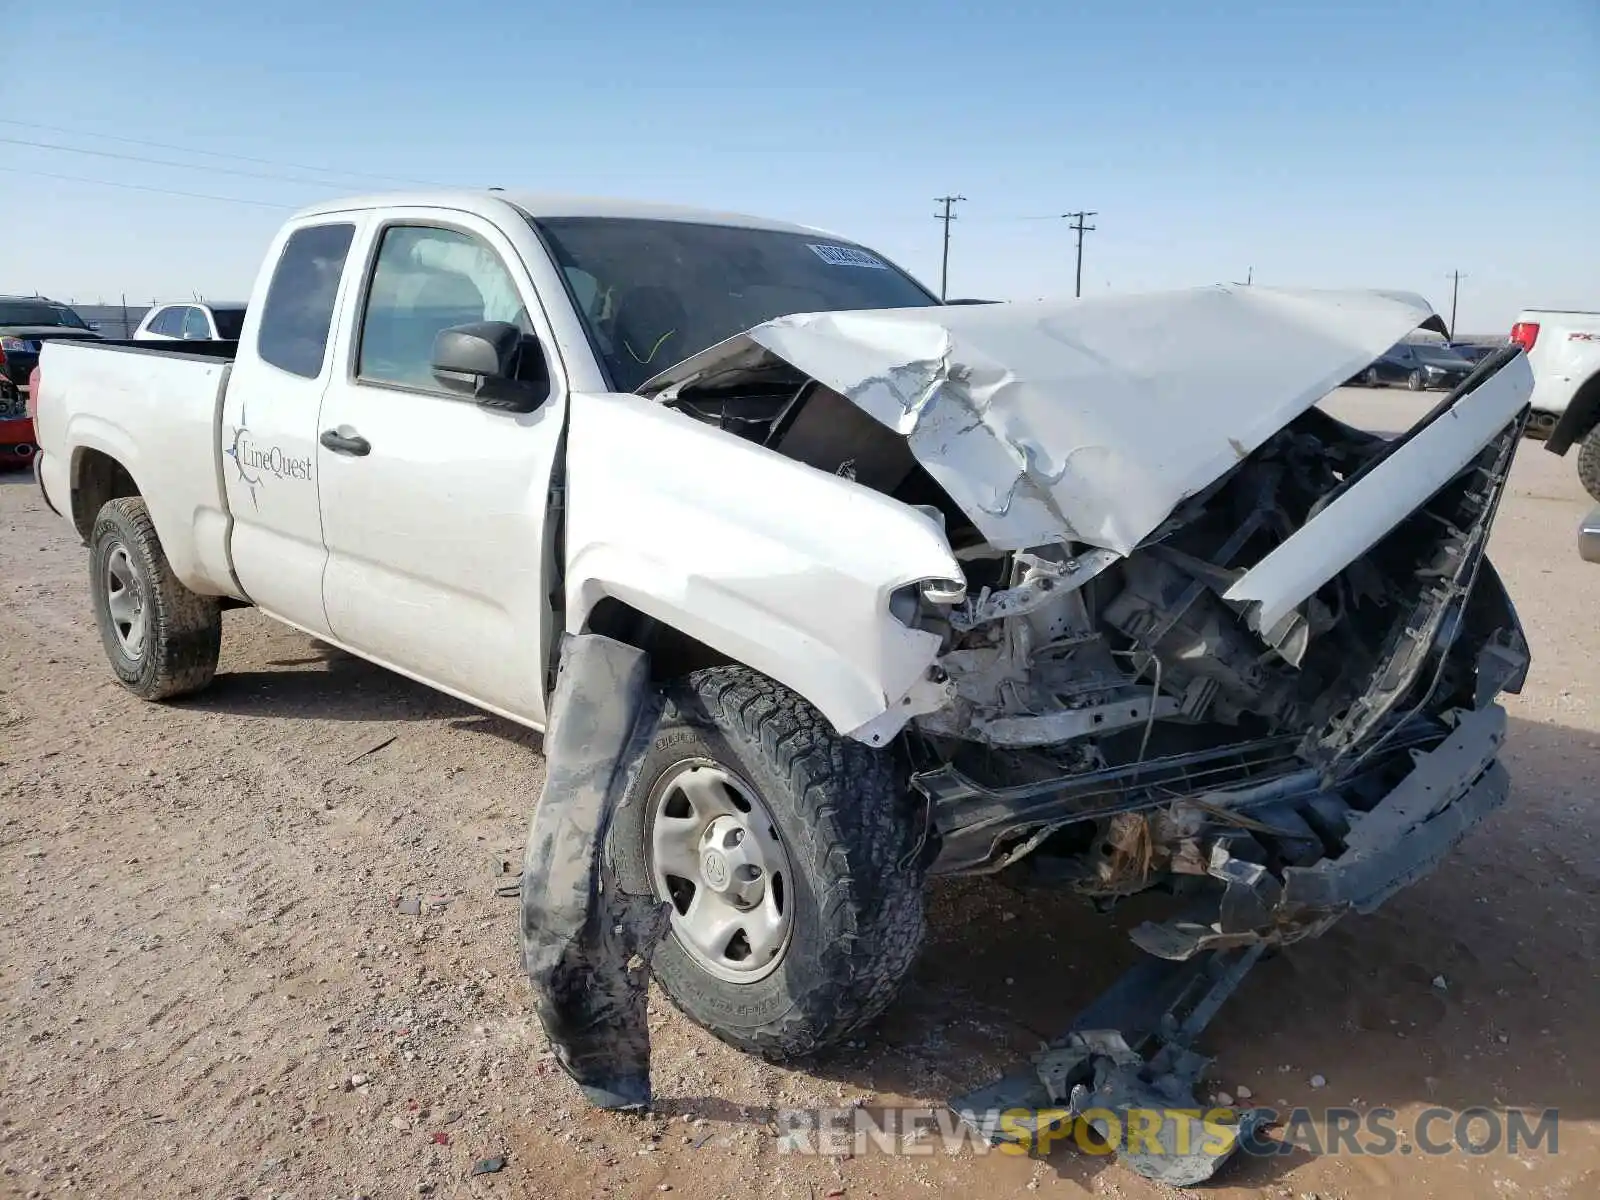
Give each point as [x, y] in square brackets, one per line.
[254, 461]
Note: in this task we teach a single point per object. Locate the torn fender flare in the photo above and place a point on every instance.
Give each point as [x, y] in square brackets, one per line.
[585, 942]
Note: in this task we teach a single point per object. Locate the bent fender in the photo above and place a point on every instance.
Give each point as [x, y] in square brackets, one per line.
[782, 567]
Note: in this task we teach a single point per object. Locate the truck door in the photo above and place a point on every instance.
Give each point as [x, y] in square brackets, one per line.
[269, 422]
[433, 508]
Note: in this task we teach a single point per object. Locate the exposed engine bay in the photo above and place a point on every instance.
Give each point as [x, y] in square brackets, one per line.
[1113, 716]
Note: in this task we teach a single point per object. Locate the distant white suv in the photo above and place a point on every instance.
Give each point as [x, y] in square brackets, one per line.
[1564, 351]
[195, 322]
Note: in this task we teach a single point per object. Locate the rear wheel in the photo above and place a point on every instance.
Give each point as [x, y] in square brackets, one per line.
[1371, 377]
[789, 856]
[162, 639]
[1589, 463]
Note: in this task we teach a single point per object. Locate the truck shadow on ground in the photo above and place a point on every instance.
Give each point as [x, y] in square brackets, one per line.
[316, 681]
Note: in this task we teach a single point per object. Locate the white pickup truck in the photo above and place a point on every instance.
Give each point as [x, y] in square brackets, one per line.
[1091, 591]
[1564, 353]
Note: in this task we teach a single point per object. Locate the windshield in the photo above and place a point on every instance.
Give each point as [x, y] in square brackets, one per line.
[38, 312]
[229, 322]
[1440, 356]
[652, 293]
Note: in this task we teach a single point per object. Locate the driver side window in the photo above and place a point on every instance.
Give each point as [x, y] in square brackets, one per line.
[427, 279]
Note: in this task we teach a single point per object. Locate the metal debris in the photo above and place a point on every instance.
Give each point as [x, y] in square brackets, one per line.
[1099, 1068]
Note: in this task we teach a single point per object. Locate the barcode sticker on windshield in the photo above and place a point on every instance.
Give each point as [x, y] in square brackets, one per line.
[847, 256]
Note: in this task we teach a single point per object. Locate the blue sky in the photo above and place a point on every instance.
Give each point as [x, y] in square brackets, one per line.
[1321, 144]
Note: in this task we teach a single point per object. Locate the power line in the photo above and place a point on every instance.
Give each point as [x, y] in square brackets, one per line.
[265, 162]
[1077, 219]
[947, 216]
[138, 187]
[164, 162]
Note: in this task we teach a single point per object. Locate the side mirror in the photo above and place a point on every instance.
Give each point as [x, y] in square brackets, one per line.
[495, 363]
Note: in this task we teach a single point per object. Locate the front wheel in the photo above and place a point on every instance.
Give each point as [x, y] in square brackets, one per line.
[162, 639]
[789, 856]
[1414, 381]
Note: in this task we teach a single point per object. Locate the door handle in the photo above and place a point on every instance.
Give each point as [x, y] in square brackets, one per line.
[337, 442]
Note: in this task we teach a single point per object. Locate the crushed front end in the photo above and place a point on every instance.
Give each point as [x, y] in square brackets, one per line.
[1207, 639]
[1374, 695]
[1187, 719]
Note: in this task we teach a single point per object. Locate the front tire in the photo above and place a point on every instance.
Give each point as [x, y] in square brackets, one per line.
[790, 856]
[1589, 463]
[162, 639]
[1414, 381]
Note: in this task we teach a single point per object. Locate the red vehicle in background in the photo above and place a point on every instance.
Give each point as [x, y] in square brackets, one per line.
[26, 323]
[17, 444]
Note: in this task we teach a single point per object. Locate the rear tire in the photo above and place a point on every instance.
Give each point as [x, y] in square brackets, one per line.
[1589, 463]
[845, 830]
[162, 639]
[1371, 377]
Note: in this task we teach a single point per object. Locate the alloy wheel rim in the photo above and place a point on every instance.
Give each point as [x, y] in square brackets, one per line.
[126, 602]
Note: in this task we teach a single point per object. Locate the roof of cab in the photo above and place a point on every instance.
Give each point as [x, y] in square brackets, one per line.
[537, 204]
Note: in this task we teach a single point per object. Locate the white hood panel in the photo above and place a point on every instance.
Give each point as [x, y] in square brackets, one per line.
[1084, 420]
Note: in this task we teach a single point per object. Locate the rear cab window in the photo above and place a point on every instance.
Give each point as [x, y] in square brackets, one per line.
[297, 314]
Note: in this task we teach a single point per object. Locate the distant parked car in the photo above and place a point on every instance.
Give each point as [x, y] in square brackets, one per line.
[195, 322]
[1418, 365]
[26, 322]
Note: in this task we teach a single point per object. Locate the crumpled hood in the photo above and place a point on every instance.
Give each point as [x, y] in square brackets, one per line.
[1085, 420]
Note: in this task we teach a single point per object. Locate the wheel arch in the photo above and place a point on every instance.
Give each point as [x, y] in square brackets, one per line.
[1582, 415]
[673, 653]
[97, 478]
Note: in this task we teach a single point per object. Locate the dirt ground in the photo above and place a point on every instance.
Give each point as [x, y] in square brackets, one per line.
[207, 989]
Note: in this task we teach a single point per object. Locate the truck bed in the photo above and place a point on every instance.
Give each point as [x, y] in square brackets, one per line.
[155, 408]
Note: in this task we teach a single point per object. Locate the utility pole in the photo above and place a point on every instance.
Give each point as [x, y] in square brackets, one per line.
[1077, 219]
[947, 216]
[1455, 289]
